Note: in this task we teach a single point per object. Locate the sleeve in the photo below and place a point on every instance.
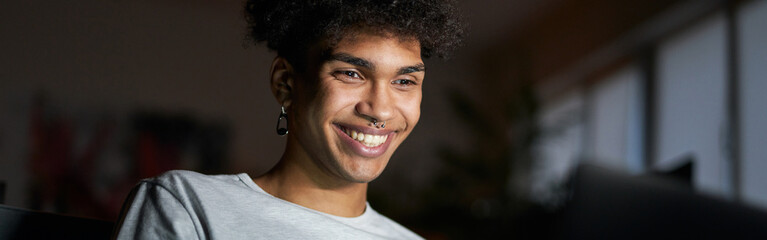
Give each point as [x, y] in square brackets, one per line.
[153, 212]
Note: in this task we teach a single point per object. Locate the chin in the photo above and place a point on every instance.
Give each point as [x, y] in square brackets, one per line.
[364, 175]
[363, 179]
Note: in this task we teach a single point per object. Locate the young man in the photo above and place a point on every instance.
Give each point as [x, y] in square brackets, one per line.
[348, 76]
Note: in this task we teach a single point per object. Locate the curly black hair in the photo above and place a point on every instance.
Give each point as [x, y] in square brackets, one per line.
[291, 27]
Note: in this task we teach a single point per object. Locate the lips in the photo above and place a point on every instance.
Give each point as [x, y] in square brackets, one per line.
[364, 141]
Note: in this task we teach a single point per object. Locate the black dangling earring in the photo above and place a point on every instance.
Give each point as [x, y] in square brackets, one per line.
[282, 131]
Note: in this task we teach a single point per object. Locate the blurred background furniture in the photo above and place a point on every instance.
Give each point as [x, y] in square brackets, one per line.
[607, 204]
[18, 223]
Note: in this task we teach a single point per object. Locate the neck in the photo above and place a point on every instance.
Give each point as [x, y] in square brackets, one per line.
[297, 179]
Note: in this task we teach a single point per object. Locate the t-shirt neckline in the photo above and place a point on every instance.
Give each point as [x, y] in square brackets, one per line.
[366, 216]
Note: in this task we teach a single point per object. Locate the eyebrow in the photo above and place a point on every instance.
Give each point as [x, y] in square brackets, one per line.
[350, 59]
[411, 69]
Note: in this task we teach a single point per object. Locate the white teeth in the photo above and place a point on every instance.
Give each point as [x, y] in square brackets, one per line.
[360, 137]
[368, 140]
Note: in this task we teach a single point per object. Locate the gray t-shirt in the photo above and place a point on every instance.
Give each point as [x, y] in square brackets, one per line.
[190, 205]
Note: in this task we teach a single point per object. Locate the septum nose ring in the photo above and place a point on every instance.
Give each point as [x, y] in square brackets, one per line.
[376, 123]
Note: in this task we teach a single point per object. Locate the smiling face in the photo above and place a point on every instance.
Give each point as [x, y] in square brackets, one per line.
[333, 102]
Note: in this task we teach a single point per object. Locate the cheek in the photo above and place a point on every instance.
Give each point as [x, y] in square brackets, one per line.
[411, 110]
[335, 99]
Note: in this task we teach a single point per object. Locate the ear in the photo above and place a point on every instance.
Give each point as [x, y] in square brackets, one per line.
[282, 76]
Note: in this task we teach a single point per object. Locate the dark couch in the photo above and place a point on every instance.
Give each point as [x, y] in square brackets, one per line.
[18, 223]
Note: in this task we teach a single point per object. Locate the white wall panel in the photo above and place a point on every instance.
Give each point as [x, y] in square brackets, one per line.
[614, 102]
[752, 22]
[691, 106]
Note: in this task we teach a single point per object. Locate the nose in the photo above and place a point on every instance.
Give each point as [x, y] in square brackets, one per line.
[376, 103]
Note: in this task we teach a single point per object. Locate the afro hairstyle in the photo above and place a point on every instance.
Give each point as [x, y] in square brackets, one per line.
[292, 27]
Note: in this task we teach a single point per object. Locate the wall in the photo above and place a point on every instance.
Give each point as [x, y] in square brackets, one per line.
[117, 57]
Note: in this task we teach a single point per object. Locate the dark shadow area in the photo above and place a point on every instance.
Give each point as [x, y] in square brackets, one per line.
[602, 204]
[610, 205]
[17, 223]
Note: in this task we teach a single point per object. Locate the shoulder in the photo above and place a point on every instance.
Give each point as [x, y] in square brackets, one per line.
[184, 182]
[162, 206]
[185, 177]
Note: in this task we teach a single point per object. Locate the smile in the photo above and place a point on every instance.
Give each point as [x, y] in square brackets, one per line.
[369, 140]
[369, 143]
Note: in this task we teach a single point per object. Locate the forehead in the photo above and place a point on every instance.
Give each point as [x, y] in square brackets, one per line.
[376, 47]
[357, 41]
[376, 40]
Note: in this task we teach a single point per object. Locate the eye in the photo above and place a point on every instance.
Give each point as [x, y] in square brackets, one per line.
[404, 82]
[351, 74]
[347, 75]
